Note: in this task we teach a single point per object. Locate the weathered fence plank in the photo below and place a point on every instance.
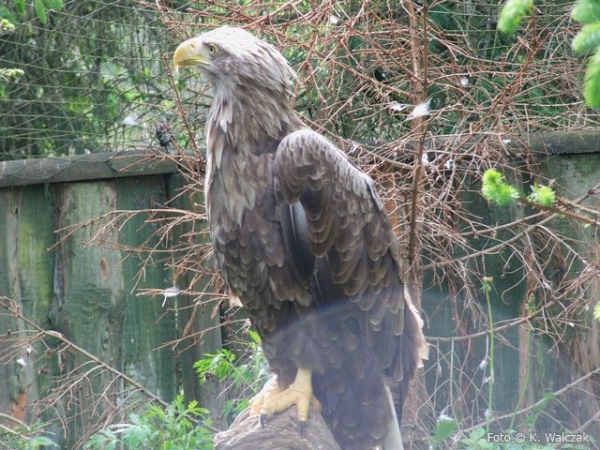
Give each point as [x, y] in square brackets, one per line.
[197, 315]
[147, 326]
[89, 301]
[95, 166]
[26, 274]
[574, 174]
[89, 293]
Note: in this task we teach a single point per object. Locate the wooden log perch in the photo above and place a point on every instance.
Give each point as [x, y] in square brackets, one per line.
[281, 432]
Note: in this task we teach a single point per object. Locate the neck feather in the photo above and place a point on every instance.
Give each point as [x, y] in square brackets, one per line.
[249, 114]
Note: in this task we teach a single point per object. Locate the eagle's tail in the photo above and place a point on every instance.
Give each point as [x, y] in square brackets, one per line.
[392, 439]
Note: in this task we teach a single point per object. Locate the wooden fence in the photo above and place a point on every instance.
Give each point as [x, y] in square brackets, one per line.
[89, 293]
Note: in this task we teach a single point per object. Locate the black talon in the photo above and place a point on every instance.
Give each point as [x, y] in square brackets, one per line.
[301, 426]
[262, 419]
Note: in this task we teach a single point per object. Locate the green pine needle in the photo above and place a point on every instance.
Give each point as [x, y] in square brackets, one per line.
[492, 177]
[512, 14]
[586, 11]
[543, 195]
[591, 90]
[496, 190]
[587, 39]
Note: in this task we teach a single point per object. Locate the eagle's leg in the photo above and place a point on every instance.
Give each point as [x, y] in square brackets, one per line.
[272, 399]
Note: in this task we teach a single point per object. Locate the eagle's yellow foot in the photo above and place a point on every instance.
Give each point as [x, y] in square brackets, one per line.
[270, 389]
[272, 399]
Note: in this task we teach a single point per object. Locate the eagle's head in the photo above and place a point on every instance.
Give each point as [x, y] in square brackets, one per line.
[235, 59]
[251, 81]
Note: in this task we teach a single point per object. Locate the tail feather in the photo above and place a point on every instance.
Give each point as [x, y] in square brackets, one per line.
[393, 437]
[357, 410]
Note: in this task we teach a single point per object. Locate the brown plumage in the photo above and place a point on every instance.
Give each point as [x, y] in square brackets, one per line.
[303, 240]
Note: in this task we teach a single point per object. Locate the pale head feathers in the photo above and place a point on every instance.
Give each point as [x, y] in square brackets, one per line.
[251, 81]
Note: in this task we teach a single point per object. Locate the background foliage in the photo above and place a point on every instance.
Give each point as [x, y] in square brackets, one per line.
[91, 78]
[95, 74]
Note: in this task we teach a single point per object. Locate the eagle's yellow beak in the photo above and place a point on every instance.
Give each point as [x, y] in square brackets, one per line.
[190, 53]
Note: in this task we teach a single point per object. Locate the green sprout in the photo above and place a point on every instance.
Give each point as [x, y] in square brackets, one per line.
[542, 195]
[496, 190]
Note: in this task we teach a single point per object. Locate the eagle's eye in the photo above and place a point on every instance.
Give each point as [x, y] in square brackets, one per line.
[212, 49]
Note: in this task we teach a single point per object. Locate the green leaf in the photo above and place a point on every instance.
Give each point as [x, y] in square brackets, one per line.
[6, 27]
[487, 284]
[597, 312]
[104, 439]
[40, 9]
[254, 336]
[591, 89]
[56, 5]
[443, 430]
[6, 74]
[477, 433]
[537, 410]
[531, 303]
[20, 6]
[512, 14]
[41, 442]
[586, 11]
[587, 39]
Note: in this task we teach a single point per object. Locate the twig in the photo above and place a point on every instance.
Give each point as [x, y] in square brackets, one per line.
[561, 212]
[99, 363]
[12, 419]
[557, 393]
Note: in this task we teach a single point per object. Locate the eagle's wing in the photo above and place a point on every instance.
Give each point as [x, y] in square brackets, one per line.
[336, 214]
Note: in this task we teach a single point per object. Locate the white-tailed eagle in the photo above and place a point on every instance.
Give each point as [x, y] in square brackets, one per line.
[303, 240]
